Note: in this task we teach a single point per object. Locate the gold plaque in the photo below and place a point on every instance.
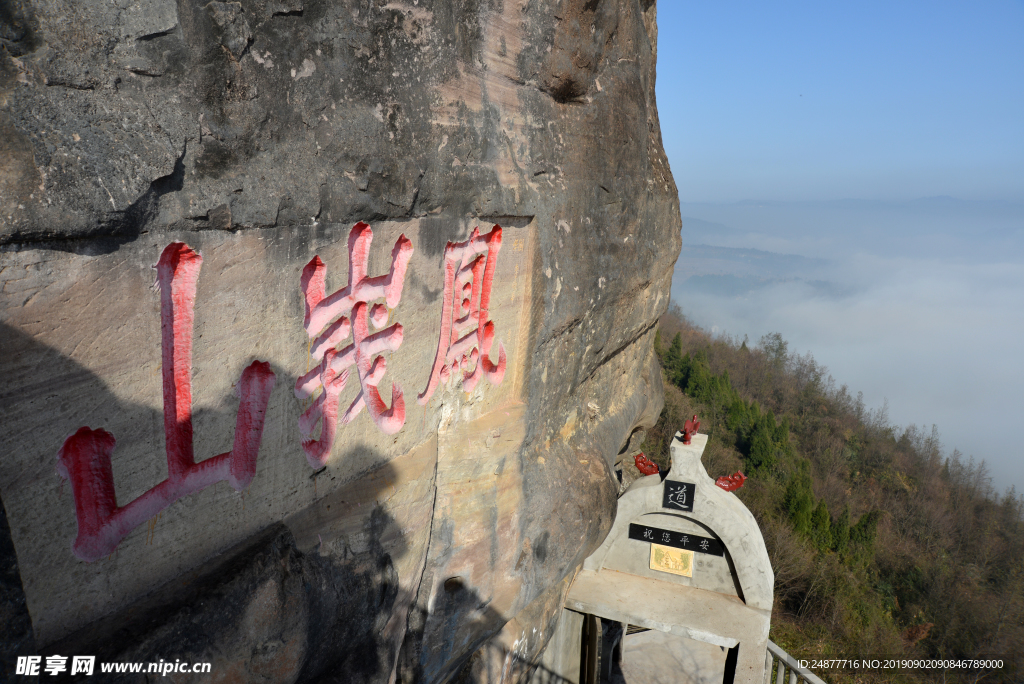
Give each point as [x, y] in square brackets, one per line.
[676, 561]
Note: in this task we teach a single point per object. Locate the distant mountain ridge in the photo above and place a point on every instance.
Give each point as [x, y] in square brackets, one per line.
[934, 227]
[736, 271]
[698, 259]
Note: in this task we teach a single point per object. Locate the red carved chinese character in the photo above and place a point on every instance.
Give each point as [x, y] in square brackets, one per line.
[84, 459]
[467, 332]
[351, 307]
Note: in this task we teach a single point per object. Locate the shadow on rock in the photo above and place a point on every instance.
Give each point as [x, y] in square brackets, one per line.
[265, 611]
[273, 608]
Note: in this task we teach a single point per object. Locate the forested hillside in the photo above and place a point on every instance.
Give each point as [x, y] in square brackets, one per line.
[882, 544]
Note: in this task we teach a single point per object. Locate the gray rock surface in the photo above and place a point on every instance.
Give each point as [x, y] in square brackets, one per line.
[259, 132]
[654, 657]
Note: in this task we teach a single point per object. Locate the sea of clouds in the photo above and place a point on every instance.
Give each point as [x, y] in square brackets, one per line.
[918, 304]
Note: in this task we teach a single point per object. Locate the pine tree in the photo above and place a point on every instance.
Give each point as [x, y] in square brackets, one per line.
[841, 532]
[762, 449]
[800, 499]
[674, 354]
[821, 524]
[700, 381]
[862, 537]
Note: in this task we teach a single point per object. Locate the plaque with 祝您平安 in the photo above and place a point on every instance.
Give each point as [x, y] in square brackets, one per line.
[678, 540]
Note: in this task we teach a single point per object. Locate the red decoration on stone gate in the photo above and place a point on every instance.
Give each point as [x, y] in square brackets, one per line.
[353, 304]
[690, 429]
[646, 465]
[84, 459]
[467, 332]
[732, 482]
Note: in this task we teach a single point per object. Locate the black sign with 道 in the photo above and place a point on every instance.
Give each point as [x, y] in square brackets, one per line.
[678, 540]
[678, 495]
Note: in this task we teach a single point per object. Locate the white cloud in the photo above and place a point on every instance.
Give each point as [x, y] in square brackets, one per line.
[938, 335]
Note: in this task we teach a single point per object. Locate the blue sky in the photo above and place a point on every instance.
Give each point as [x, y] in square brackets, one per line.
[818, 100]
[886, 142]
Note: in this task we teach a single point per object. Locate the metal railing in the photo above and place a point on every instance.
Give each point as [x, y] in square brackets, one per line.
[778, 663]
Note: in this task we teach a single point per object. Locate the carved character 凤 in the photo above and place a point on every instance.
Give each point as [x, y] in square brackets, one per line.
[467, 332]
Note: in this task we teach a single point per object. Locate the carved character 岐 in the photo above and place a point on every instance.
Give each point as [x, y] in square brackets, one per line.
[352, 310]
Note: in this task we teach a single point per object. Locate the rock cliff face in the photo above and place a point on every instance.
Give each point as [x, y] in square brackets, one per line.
[409, 481]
